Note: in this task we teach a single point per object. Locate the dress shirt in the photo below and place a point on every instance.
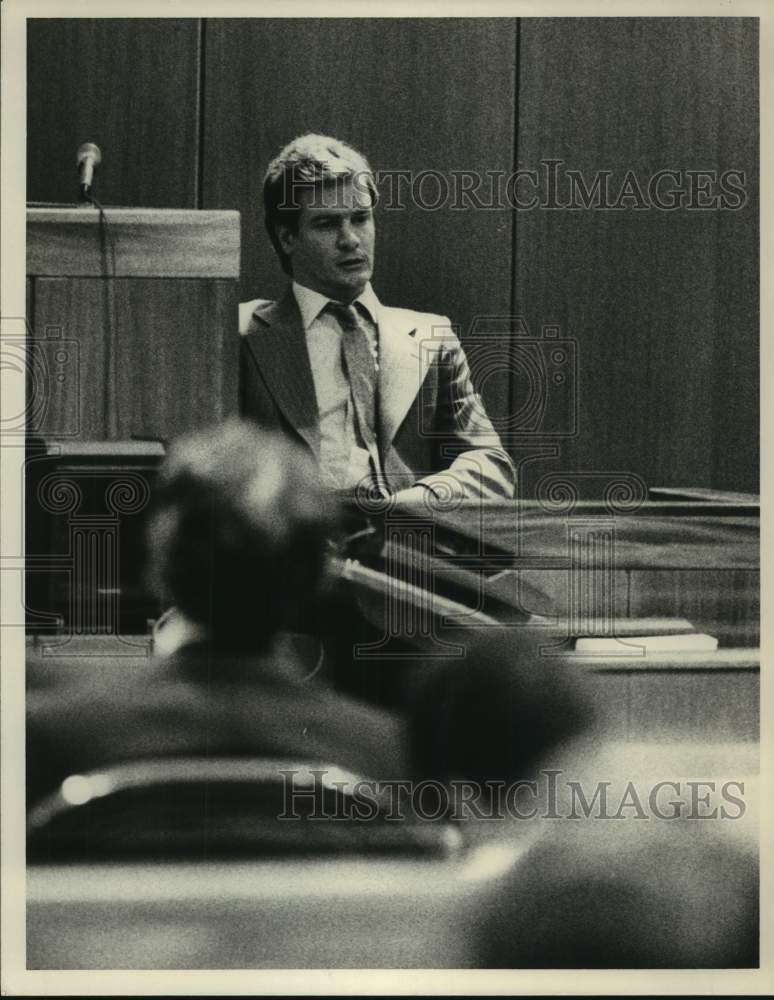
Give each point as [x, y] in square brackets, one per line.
[344, 460]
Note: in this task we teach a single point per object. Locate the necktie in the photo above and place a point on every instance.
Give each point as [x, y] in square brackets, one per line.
[361, 367]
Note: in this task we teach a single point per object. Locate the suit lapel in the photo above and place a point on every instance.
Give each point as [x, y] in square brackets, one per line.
[404, 358]
[406, 351]
[279, 348]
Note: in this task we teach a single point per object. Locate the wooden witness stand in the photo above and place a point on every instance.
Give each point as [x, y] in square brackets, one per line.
[131, 340]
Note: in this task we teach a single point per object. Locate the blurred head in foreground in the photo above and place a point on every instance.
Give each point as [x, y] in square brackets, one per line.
[496, 713]
[628, 894]
[237, 533]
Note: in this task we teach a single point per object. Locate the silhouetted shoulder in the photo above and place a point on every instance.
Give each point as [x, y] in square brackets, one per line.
[252, 313]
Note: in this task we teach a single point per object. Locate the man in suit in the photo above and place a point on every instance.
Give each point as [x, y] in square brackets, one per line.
[382, 397]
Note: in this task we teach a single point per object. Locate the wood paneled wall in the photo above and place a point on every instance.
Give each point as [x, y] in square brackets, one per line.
[663, 305]
[130, 85]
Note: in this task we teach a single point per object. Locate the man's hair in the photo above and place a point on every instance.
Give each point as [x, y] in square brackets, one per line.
[237, 533]
[306, 163]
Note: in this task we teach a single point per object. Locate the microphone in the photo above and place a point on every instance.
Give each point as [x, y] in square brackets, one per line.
[89, 157]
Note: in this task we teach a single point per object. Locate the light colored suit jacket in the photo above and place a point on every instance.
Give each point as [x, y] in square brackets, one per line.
[432, 426]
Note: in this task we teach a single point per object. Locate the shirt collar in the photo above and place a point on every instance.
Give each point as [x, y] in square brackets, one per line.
[311, 303]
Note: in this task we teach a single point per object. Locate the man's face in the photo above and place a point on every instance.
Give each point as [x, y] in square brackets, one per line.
[333, 250]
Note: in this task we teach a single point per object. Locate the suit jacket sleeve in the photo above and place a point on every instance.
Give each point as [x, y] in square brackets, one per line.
[474, 462]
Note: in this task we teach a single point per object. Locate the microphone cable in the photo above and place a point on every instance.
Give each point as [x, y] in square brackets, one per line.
[109, 274]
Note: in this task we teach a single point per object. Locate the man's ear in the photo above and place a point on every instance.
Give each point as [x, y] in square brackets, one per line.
[287, 238]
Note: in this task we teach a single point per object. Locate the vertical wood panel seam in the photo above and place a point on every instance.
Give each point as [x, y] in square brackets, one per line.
[511, 389]
[199, 148]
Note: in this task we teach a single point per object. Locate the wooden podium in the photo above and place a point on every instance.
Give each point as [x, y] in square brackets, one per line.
[132, 339]
[133, 317]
